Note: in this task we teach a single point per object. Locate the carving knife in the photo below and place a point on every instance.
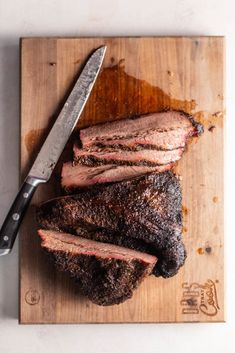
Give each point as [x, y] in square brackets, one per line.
[51, 149]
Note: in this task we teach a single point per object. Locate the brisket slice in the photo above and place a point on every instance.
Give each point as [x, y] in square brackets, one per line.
[76, 175]
[107, 274]
[144, 157]
[147, 209]
[170, 258]
[141, 126]
[154, 139]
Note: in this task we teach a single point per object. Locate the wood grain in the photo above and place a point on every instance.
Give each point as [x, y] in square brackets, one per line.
[139, 75]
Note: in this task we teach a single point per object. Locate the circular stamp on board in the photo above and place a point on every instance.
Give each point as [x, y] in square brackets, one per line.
[32, 297]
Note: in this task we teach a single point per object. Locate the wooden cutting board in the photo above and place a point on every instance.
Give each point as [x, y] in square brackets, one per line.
[139, 75]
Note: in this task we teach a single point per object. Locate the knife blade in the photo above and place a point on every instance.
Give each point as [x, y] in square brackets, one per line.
[52, 148]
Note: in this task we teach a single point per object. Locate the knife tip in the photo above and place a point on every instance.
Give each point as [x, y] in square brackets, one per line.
[103, 48]
[100, 52]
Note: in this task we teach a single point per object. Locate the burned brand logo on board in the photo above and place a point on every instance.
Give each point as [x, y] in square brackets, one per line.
[200, 298]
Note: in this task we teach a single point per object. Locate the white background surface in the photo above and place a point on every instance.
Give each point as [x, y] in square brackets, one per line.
[105, 17]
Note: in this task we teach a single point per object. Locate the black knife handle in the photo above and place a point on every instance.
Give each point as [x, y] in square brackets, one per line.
[15, 216]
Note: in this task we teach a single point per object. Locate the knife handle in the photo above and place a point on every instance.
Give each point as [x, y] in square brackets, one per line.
[16, 214]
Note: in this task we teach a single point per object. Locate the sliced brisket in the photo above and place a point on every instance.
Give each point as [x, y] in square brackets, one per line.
[147, 209]
[154, 139]
[170, 258]
[152, 142]
[143, 125]
[144, 157]
[107, 274]
[78, 176]
[109, 237]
